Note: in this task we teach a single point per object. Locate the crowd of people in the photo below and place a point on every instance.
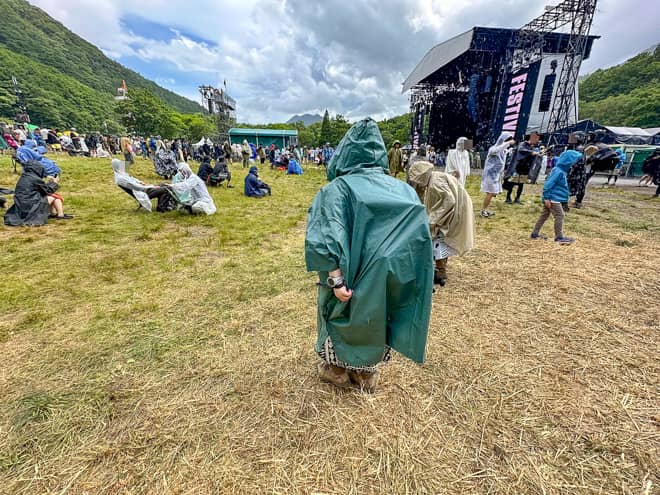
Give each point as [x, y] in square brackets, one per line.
[36, 199]
[376, 278]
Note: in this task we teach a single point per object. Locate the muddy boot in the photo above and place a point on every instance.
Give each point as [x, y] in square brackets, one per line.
[333, 374]
[367, 381]
[440, 274]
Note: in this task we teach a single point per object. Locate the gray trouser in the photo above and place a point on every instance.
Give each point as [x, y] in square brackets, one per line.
[558, 212]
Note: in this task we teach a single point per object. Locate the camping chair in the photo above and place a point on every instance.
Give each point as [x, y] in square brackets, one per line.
[14, 161]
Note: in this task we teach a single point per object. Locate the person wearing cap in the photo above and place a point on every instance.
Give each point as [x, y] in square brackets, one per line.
[395, 159]
[518, 170]
[368, 239]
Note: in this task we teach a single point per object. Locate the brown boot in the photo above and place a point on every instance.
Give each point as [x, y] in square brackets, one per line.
[440, 275]
[333, 374]
[365, 380]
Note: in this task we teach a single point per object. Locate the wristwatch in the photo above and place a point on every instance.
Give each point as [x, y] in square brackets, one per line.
[335, 282]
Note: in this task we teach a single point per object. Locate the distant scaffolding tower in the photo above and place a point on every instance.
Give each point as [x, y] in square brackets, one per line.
[217, 102]
[528, 48]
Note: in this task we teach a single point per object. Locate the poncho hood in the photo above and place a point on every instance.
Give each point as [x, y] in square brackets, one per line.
[567, 159]
[361, 148]
[34, 167]
[419, 176]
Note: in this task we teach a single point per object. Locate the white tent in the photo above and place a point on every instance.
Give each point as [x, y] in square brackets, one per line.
[202, 142]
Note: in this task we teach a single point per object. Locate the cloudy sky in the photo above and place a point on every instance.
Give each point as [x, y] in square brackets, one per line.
[282, 57]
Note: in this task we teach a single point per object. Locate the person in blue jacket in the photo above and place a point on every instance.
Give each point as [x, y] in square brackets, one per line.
[619, 166]
[555, 195]
[254, 187]
[29, 151]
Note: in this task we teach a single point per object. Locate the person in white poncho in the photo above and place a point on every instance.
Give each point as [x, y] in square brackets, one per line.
[190, 191]
[458, 161]
[131, 185]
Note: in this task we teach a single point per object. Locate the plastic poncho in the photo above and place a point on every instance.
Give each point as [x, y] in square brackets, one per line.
[374, 228]
[458, 160]
[294, 168]
[28, 152]
[122, 179]
[491, 179]
[190, 190]
[30, 204]
[448, 206]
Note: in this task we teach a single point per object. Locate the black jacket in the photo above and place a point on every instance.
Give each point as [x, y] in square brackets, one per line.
[30, 204]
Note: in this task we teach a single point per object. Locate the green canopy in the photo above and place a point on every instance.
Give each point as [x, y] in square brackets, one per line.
[375, 229]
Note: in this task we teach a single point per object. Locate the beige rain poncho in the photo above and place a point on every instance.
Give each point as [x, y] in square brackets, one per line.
[448, 206]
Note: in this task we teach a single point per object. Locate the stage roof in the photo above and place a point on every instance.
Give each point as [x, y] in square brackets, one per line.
[439, 56]
[477, 38]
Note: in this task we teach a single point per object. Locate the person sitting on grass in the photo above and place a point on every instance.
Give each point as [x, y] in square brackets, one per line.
[221, 173]
[30, 151]
[205, 169]
[294, 168]
[35, 200]
[132, 186]
[255, 187]
[555, 197]
[191, 192]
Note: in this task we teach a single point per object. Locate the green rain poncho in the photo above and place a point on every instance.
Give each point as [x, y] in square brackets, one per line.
[375, 229]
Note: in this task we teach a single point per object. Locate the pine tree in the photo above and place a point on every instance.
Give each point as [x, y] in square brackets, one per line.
[326, 130]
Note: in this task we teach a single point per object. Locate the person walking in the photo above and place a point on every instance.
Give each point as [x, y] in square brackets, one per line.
[395, 159]
[555, 197]
[491, 180]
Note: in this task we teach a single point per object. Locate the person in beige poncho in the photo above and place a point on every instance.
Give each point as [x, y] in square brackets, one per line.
[449, 208]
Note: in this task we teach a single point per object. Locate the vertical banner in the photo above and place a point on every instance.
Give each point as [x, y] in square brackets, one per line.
[516, 103]
[418, 126]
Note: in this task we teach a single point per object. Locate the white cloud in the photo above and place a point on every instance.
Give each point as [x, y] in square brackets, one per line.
[281, 57]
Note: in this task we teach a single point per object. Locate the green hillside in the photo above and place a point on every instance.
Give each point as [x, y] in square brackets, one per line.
[36, 48]
[55, 99]
[627, 94]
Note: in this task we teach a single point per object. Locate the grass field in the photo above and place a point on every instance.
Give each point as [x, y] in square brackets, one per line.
[164, 353]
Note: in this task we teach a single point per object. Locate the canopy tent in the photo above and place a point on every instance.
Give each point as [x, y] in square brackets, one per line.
[611, 134]
[264, 137]
[630, 135]
[202, 142]
[654, 132]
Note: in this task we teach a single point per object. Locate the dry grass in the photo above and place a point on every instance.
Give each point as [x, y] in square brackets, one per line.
[170, 354]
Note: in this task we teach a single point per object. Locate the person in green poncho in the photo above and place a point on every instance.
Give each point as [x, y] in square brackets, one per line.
[368, 238]
[395, 159]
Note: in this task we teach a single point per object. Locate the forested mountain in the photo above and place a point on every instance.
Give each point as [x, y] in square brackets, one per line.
[66, 80]
[627, 94]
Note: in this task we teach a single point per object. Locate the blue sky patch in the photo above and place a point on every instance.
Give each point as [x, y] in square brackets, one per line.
[158, 32]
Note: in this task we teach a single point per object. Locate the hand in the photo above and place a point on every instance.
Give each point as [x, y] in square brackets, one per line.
[548, 204]
[343, 294]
